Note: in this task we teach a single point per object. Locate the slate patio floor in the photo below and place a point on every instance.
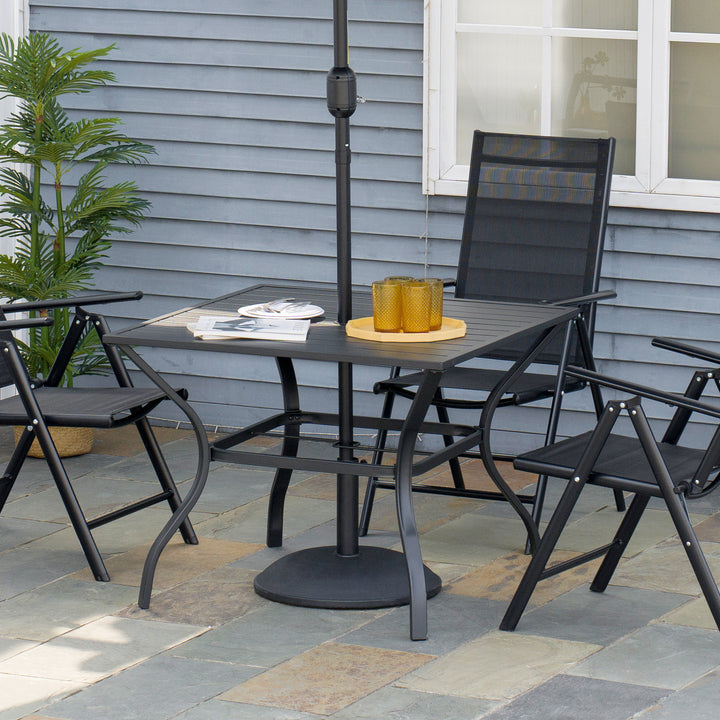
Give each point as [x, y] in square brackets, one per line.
[209, 648]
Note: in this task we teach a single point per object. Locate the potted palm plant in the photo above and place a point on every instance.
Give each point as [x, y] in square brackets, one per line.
[54, 199]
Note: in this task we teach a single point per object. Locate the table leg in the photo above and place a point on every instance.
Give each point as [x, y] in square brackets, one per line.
[192, 496]
[491, 404]
[291, 440]
[403, 498]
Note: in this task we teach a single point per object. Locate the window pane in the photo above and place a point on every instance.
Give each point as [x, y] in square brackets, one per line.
[696, 16]
[594, 93]
[605, 14]
[500, 12]
[694, 111]
[499, 80]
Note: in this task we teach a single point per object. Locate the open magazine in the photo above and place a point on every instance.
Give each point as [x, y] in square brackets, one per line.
[211, 327]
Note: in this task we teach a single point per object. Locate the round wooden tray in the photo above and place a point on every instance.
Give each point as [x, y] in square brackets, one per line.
[363, 328]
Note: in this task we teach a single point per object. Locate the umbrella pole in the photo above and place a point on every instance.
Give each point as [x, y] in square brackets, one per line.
[342, 101]
[341, 576]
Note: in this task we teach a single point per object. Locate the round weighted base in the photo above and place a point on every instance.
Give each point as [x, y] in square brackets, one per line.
[319, 577]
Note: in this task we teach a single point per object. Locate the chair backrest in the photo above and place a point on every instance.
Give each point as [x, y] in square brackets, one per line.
[535, 222]
[6, 378]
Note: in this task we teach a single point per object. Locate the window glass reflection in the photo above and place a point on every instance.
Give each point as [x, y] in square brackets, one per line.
[605, 14]
[594, 93]
[499, 78]
[500, 12]
[696, 16]
[694, 142]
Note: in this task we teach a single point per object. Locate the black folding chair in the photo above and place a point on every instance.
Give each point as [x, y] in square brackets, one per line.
[637, 464]
[40, 404]
[534, 231]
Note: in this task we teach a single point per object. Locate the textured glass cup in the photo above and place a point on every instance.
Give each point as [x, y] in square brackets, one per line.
[436, 302]
[387, 306]
[416, 306]
[399, 278]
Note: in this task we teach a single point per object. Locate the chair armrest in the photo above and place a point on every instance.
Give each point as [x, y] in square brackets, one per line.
[685, 349]
[585, 299]
[674, 399]
[27, 323]
[70, 302]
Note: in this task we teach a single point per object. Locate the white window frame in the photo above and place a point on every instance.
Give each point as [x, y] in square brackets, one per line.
[13, 19]
[648, 188]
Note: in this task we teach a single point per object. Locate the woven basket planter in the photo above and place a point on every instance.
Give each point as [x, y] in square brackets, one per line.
[69, 441]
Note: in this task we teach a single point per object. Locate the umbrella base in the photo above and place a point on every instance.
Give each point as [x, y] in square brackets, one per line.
[319, 577]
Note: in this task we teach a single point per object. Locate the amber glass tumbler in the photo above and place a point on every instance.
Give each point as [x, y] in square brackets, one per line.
[436, 302]
[416, 306]
[387, 306]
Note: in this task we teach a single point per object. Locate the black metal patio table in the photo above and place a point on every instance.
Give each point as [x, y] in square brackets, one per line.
[348, 575]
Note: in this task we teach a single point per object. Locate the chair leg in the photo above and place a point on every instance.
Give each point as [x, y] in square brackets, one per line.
[455, 471]
[619, 500]
[537, 507]
[540, 559]
[14, 465]
[620, 542]
[675, 502]
[378, 452]
[74, 511]
[164, 477]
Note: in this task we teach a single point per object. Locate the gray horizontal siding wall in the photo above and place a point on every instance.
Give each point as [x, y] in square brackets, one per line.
[232, 95]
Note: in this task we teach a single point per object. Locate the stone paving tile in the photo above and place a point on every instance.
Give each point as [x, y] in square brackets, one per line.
[326, 678]
[98, 649]
[214, 598]
[599, 528]
[53, 609]
[116, 537]
[661, 655]
[97, 495]
[473, 539]
[126, 441]
[160, 688]
[35, 564]
[16, 532]
[571, 698]
[699, 701]
[695, 613]
[229, 486]
[709, 530]
[22, 695]
[598, 618]
[499, 579]
[452, 621]
[275, 633]
[391, 703]
[178, 562]
[248, 523]
[431, 511]
[180, 455]
[10, 646]
[645, 570]
[226, 710]
[497, 666]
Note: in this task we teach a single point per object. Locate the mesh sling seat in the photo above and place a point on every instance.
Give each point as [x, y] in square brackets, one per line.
[534, 229]
[637, 464]
[40, 404]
